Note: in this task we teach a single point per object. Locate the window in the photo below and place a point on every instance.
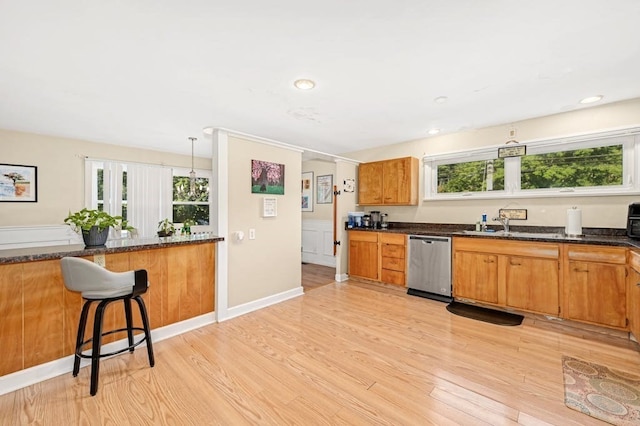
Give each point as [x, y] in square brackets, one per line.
[146, 194]
[603, 164]
[186, 206]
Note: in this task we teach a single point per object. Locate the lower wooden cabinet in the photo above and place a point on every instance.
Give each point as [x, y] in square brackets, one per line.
[633, 294]
[512, 274]
[532, 284]
[393, 249]
[476, 276]
[363, 254]
[39, 316]
[378, 256]
[595, 285]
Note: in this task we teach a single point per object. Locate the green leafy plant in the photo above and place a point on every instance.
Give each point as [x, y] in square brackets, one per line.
[165, 228]
[85, 219]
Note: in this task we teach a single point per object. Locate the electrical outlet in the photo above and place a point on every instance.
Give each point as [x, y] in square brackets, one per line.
[100, 260]
[252, 234]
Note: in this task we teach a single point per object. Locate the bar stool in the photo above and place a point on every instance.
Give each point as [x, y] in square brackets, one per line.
[97, 284]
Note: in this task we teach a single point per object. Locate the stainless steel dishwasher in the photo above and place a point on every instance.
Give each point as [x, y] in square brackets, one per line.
[430, 267]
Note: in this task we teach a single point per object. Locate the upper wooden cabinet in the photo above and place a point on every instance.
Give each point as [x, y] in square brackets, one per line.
[389, 182]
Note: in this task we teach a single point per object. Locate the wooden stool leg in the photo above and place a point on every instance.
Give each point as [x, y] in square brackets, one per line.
[96, 344]
[147, 331]
[129, 317]
[82, 324]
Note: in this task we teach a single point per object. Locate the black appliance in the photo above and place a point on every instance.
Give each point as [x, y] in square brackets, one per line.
[633, 221]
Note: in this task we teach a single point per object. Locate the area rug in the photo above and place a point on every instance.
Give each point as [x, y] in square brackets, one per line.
[484, 314]
[601, 392]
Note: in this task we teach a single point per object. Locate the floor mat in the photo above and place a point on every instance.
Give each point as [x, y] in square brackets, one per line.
[484, 314]
[601, 392]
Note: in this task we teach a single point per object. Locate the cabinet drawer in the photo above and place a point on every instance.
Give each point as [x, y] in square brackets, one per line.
[371, 237]
[600, 254]
[399, 239]
[393, 250]
[393, 277]
[393, 263]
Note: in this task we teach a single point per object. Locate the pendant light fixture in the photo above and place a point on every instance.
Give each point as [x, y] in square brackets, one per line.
[192, 173]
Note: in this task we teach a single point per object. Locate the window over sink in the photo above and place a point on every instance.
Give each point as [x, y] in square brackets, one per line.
[607, 163]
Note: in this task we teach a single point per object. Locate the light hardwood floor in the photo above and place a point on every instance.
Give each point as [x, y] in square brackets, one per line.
[314, 276]
[344, 353]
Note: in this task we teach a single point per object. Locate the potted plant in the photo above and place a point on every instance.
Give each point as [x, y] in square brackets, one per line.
[186, 226]
[94, 225]
[166, 228]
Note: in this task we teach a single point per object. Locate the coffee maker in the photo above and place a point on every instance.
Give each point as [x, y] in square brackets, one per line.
[375, 219]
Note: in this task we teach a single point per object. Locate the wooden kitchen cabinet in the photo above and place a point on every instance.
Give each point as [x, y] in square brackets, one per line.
[363, 254]
[515, 274]
[39, 316]
[389, 182]
[595, 284]
[476, 276]
[532, 284]
[393, 258]
[378, 256]
[633, 294]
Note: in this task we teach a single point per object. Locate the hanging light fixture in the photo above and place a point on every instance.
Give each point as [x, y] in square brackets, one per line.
[192, 173]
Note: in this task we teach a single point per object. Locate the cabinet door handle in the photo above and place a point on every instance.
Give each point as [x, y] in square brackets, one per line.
[580, 270]
[637, 284]
[512, 263]
[488, 261]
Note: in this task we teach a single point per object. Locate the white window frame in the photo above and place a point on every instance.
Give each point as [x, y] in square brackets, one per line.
[629, 138]
[91, 196]
[178, 171]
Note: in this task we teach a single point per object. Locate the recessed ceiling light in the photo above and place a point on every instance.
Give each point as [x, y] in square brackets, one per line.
[441, 99]
[433, 131]
[591, 99]
[304, 84]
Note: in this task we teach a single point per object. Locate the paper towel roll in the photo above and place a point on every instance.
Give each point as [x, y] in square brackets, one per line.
[574, 222]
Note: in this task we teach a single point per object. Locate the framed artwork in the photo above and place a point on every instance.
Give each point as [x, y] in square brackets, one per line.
[18, 183]
[324, 187]
[267, 178]
[307, 191]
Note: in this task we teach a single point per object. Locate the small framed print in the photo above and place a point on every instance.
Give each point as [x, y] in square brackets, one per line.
[324, 186]
[307, 191]
[18, 183]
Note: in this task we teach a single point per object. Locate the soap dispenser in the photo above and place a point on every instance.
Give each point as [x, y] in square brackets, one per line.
[484, 222]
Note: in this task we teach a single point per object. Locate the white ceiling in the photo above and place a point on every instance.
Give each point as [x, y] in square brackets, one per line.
[152, 73]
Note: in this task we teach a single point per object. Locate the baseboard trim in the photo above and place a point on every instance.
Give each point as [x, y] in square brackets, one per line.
[29, 376]
[236, 311]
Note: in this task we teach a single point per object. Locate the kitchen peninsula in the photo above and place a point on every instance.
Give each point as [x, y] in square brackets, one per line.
[40, 316]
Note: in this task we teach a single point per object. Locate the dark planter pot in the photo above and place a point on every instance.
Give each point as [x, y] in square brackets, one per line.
[94, 237]
[165, 234]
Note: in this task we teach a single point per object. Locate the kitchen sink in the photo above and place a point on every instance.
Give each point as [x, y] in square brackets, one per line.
[516, 234]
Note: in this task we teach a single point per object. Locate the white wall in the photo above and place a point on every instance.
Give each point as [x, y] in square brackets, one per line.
[608, 212]
[319, 168]
[270, 264]
[60, 163]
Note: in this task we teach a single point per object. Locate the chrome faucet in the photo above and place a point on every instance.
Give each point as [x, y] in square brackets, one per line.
[504, 221]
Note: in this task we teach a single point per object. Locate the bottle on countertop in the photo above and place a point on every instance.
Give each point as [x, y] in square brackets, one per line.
[484, 222]
[478, 226]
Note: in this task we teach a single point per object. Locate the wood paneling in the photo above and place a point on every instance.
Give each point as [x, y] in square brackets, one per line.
[11, 333]
[39, 316]
[43, 313]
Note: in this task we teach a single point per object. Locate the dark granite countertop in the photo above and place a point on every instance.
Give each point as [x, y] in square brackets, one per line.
[596, 236]
[32, 254]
